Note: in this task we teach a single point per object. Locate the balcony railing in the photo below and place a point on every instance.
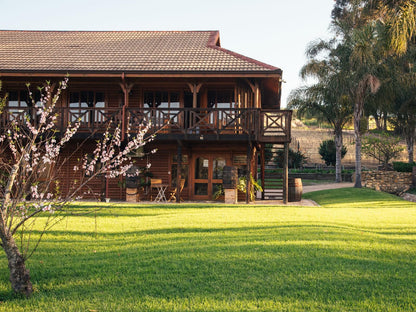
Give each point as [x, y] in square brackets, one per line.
[186, 123]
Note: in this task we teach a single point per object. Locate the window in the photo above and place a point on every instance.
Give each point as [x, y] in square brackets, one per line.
[85, 106]
[161, 99]
[184, 171]
[167, 101]
[240, 161]
[223, 100]
[20, 103]
[217, 168]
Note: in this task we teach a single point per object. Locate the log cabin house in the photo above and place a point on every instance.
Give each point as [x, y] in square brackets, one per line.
[209, 106]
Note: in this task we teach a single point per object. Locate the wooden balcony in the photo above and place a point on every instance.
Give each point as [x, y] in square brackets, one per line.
[269, 126]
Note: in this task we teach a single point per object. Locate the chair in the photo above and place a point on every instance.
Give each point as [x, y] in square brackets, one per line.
[172, 195]
[154, 184]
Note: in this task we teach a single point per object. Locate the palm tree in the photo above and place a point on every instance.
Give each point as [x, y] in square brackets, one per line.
[372, 29]
[328, 96]
[360, 53]
[398, 18]
[402, 81]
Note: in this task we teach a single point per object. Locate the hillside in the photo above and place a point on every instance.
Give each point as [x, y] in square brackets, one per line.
[307, 139]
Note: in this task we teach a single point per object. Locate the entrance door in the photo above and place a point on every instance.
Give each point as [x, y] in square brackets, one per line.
[207, 176]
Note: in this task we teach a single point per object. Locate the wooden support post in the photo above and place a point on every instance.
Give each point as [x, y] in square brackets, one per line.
[256, 91]
[179, 173]
[262, 169]
[195, 90]
[126, 90]
[285, 173]
[248, 178]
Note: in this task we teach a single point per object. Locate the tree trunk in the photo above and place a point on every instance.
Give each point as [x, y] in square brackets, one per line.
[357, 132]
[410, 145]
[19, 275]
[338, 156]
[378, 121]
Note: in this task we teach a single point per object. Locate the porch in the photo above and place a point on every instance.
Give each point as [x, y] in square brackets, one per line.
[208, 124]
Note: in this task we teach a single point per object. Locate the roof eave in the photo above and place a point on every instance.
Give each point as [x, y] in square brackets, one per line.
[136, 74]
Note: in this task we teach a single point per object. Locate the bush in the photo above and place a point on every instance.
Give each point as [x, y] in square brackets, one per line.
[382, 147]
[403, 166]
[296, 159]
[327, 151]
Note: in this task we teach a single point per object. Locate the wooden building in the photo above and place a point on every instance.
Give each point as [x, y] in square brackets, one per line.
[209, 106]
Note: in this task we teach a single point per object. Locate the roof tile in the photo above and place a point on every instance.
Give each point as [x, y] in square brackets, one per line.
[130, 51]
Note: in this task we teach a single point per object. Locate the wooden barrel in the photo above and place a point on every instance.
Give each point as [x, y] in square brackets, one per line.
[294, 189]
[131, 195]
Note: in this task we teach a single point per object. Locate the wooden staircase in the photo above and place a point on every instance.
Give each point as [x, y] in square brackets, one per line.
[273, 177]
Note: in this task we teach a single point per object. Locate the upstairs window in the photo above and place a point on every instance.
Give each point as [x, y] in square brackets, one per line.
[86, 106]
[167, 103]
[161, 99]
[20, 104]
[221, 99]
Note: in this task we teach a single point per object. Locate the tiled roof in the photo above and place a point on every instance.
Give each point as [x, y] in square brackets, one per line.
[126, 51]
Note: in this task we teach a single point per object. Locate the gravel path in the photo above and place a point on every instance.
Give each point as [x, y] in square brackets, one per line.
[327, 186]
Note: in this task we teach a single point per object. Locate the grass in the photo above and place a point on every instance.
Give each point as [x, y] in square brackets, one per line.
[356, 252]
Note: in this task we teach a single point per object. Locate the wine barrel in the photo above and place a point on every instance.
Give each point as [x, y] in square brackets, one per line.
[294, 189]
[131, 195]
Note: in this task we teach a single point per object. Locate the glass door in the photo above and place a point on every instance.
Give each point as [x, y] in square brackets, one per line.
[201, 181]
[207, 176]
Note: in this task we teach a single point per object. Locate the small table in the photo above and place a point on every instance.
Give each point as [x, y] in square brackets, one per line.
[161, 189]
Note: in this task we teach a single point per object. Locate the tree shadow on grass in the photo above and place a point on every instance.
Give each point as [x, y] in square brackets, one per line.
[288, 263]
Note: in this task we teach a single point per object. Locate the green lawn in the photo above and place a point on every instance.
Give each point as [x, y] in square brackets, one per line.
[357, 252]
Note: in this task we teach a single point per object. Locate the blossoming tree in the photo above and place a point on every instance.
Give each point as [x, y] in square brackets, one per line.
[34, 146]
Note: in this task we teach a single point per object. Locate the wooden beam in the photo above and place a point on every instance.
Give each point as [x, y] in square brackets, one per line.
[126, 90]
[262, 168]
[179, 173]
[195, 90]
[248, 176]
[285, 173]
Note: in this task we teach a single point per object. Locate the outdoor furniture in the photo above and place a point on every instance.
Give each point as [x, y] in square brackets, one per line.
[172, 195]
[161, 189]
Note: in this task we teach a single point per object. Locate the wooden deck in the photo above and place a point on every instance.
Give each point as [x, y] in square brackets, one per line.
[266, 126]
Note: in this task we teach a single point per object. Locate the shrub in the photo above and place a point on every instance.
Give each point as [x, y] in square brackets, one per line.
[403, 166]
[382, 147]
[296, 159]
[327, 151]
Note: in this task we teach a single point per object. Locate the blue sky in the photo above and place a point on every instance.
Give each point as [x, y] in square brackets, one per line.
[272, 31]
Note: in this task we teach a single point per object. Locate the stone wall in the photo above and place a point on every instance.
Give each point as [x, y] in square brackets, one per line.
[387, 181]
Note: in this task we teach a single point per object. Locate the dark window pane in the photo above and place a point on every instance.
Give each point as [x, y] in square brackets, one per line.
[99, 97]
[218, 166]
[90, 99]
[148, 99]
[74, 97]
[201, 168]
[24, 99]
[13, 99]
[84, 97]
[174, 97]
[212, 98]
[158, 98]
[184, 158]
[201, 188]
[13, 96]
